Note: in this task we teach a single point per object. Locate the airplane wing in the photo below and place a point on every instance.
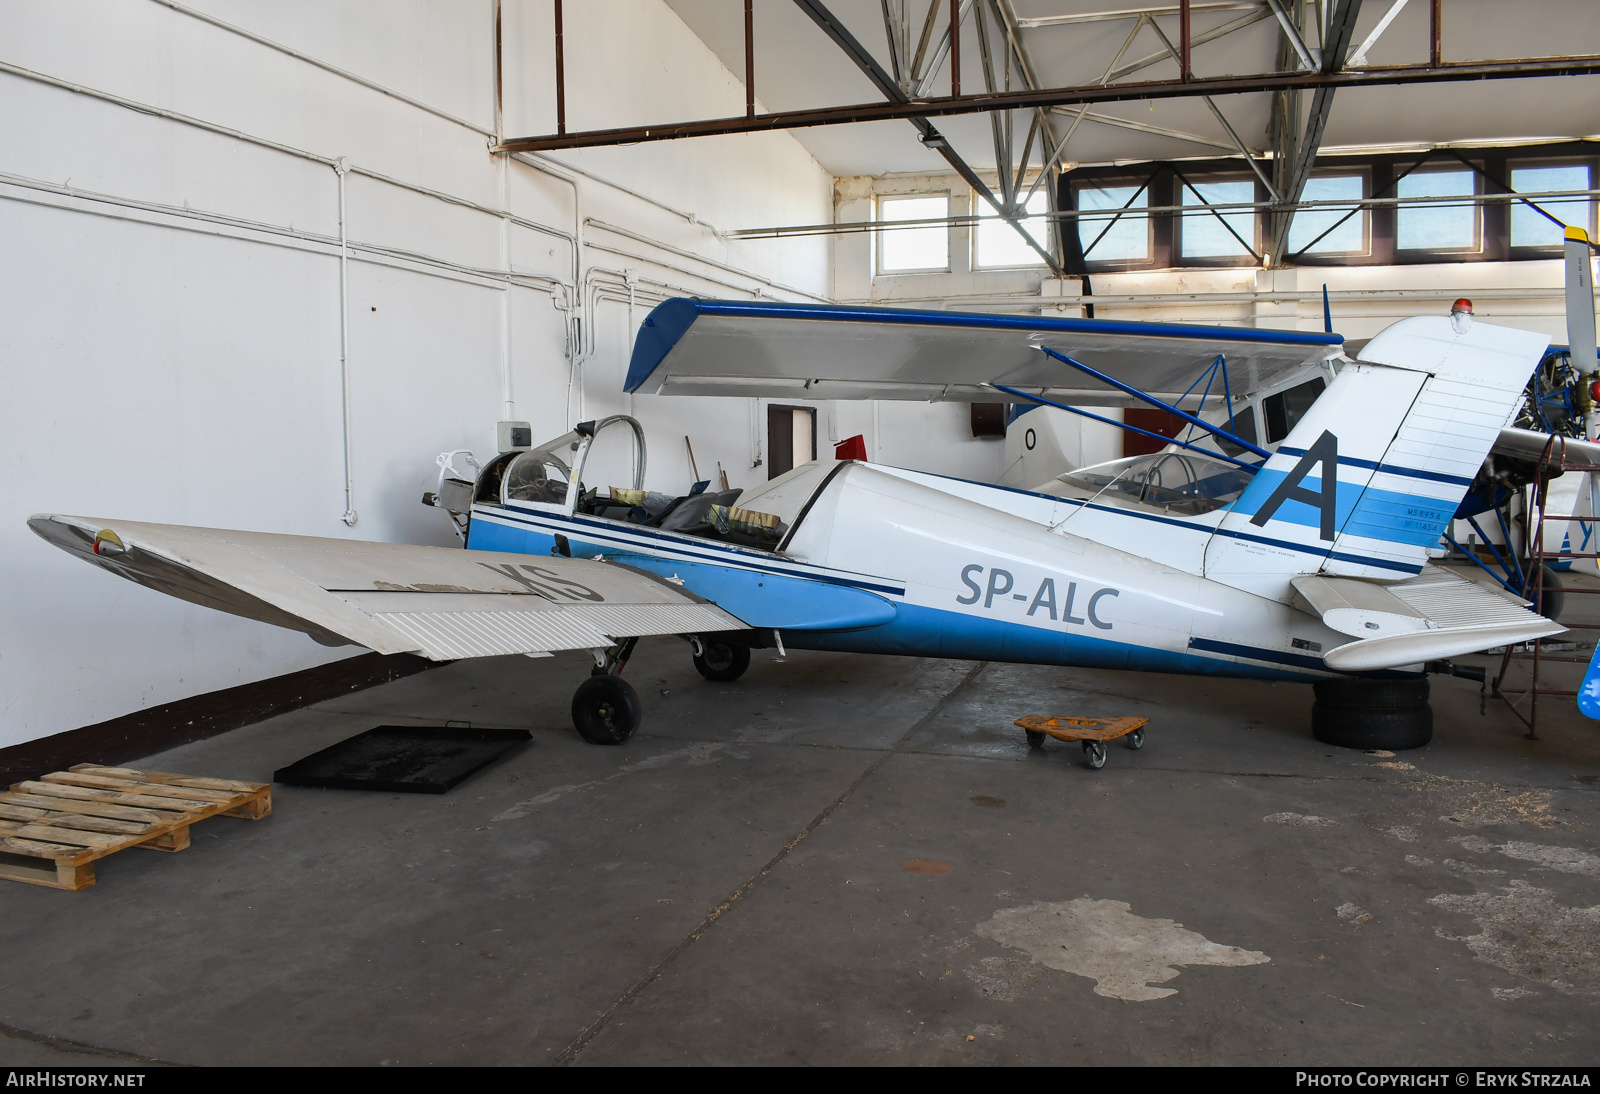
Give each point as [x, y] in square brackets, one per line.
[443, 603]
[712, 347]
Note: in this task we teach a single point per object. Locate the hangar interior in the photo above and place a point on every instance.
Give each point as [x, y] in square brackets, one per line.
[267, 260]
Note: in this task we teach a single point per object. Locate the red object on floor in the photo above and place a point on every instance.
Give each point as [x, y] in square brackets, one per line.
[851, 448]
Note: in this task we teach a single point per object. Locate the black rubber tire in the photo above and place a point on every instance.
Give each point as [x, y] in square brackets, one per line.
[1392, 730]
[721, 661]
[1372, 695]
[606, 710]
[1035, 738]
[1135, 740]
[1094, 754]
[1554, 598]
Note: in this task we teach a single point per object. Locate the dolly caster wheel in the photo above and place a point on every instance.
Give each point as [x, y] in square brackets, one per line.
[1094, 754]
[605, 710]
[1135, 739]
[1035, 738]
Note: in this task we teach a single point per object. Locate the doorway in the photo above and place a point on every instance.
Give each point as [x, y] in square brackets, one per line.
[791, 438]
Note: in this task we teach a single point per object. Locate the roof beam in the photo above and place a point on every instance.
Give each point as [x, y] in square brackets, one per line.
[930, 137]
[1027, 99]
[1336, 44]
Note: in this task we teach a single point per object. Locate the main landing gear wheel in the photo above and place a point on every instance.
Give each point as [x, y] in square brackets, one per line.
[1369, 714]
[721, 661]
[606, 710]
[1094, 754]
[1035, 738]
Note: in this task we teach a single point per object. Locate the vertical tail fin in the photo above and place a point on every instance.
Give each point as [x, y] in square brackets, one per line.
[1370, 477]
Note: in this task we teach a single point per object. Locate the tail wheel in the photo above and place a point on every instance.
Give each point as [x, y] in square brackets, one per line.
[606, 710]
[721, 660]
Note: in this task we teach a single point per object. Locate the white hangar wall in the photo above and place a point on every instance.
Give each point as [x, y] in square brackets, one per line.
[170, 308]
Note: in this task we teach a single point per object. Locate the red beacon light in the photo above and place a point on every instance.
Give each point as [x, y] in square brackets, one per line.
[1462, 305]
[1461, 315]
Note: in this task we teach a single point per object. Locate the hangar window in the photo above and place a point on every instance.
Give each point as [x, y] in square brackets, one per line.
[1443, 227]
[1203, 233]
[914, 250]
[1528, 227]
[1122, 232]
[1331, 229]
[1000, 246]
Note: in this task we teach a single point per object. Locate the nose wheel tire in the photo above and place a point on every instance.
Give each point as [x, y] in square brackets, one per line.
[1094, 754]
[721, 661]
[606, 710]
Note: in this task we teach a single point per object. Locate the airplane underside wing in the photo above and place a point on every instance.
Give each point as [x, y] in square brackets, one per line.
[443, 603]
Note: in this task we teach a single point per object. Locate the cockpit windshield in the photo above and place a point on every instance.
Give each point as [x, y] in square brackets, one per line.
[541, 475]
[1184, 483]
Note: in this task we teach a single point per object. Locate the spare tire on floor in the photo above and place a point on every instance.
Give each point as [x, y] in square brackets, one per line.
[1404, 694]
[1368, 714]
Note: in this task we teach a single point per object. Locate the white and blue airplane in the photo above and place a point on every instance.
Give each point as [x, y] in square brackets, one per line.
[1290, 535]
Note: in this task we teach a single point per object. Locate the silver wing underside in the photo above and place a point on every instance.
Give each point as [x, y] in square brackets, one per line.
[443, 603]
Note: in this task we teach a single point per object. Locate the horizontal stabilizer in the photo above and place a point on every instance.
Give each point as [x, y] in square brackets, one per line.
[443, 603]
[1435, 615]
[816, 351]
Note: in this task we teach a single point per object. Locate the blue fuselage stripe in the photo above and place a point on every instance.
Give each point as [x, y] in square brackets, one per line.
[1386, 468]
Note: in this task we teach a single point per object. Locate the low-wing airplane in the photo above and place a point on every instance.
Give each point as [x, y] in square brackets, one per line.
[1287, 536]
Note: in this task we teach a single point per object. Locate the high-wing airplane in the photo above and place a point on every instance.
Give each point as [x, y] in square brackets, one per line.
[1288, 535]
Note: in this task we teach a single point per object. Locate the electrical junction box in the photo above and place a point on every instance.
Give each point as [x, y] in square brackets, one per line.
[514, 435]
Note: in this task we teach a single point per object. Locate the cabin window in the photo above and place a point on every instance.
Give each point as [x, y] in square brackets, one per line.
[1243, 427]
[1284, 410]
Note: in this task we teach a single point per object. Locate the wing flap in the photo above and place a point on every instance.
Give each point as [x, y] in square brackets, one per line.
[1434, 615]
[444, 603]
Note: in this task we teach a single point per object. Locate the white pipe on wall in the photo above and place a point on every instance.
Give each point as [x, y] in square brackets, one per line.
[341, 167]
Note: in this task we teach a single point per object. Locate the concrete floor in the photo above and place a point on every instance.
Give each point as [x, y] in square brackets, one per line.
[732, 886]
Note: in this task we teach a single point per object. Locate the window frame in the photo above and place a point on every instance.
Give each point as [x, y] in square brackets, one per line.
[1187, 183]
[1480, 235]
[1549, 250]
[979, 216]
[878, 202]
[1341, 258]
[1153, 256]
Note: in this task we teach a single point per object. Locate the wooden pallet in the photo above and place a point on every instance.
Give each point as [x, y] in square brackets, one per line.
[54, 828]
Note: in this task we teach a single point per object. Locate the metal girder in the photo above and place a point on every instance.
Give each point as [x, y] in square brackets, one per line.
[922, 109]
[931, 137]
[1336, 43]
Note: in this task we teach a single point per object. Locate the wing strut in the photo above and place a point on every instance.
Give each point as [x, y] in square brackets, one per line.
[1221, 434]
[1042, 401]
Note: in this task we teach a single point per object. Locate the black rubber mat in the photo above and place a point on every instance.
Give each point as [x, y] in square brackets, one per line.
[408, 759]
